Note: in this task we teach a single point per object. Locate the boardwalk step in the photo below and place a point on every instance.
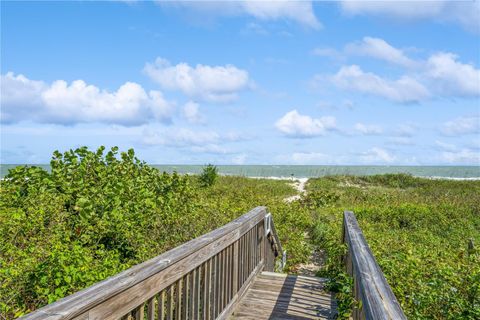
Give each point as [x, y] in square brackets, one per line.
[280, 296]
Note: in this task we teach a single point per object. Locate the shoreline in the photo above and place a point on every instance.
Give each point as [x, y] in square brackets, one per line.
[307, 178]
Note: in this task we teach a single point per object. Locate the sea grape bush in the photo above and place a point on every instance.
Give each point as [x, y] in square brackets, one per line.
[92, 216]
[98, 213]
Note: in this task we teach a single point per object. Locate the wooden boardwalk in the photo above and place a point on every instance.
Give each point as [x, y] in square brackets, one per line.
[281, 296]
[228, 274]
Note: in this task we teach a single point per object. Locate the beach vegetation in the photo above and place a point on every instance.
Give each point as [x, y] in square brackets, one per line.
[96, 213]
[208, 176]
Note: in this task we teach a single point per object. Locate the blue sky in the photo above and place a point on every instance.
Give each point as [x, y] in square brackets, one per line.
[243, 82]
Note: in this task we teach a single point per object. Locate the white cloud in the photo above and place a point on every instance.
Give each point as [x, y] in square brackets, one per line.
[401, 141]
[20, 97]
[451, 77]
[379, 49]
[377, 155]
[441, 74]
[452, 154]
[462, 156]
[405, 130]
[405, 89]
[311, 158]
[239, 159]
[403, 9]
[210, 83]
[210, 148]
[300, 12]
[63, 103]
[183, 137]
[445, 146]
[293, 124]
[465, 13]
[462, 125]
[191, 112]
[335, 55]
[180, 137]
[368, 129]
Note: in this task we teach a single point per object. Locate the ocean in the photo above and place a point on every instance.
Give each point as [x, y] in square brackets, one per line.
[310, 171]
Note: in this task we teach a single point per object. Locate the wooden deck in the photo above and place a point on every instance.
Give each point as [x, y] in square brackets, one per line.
[228, 274]
[281, 296]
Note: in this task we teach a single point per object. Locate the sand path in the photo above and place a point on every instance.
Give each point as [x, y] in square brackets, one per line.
[299, 185]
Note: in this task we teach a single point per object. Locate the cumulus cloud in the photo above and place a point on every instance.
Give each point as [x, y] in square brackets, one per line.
[368, 129]
[377, 155]
[210, 83]
[191, 112]
[184, 137]
[462, 156]
[453, 154]
[379, 49]
[465, 13]
[300, 12]
[461, 126]
[404, 90]
[63, 103]
[441, 74]
[295, 125]
[452, 77]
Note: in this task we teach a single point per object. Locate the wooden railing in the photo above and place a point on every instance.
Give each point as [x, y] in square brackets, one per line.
[201, 279]
[371, 289]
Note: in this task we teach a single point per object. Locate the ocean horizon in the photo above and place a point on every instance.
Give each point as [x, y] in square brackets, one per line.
[308, 171]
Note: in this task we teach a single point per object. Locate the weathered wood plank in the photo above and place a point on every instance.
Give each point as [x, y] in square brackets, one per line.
[184, 309]
[151, 309]
[273, 300]
[207, 290]
[197, 293]
[161, 306]
[371, 287]
[84, 300]
[170, 303]
[226, 261]
[241, 292]
[191, 294]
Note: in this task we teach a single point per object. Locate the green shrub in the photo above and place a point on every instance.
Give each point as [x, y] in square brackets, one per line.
[98, 213]
[208, 176]
[418, 230]
[92, 216]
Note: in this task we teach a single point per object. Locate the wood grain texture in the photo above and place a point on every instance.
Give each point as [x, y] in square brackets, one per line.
[201, 279]
[370, 285]
[278, 296]
[77, 304]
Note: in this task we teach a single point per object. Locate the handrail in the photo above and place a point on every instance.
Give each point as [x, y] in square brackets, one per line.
[370, 286]
[203, 278]
[276, 245]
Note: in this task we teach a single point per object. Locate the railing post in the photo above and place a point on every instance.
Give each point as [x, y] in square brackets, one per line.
[269, 255]
[235, 267]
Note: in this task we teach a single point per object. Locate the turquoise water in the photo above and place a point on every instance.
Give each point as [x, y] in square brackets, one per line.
[314, 171]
